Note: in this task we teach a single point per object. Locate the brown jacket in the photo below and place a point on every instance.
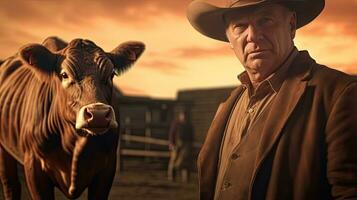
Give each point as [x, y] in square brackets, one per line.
[308, 148]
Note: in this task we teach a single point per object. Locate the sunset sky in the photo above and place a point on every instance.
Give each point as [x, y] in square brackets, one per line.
[176, 57]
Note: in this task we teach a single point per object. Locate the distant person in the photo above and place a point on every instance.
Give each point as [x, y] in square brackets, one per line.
[180, 145]
[289, 130]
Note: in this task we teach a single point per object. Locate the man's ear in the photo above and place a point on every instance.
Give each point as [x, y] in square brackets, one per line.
[293, 25]
[39, 58]
[229, 38]
[125, 55]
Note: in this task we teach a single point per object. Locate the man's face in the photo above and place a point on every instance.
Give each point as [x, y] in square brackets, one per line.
[261, 38]
[182, 117]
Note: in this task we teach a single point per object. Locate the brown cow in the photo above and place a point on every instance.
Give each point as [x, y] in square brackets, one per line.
[57, 117]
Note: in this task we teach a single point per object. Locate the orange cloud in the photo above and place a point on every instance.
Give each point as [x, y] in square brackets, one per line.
[347, 68]
[175, 52]
[337, 18]
[80, 12]
[131, 90]
[193, 52]
[164, 66]
[198, 52]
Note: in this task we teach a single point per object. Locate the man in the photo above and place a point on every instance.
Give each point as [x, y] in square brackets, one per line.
[180, 138]
[289, 131]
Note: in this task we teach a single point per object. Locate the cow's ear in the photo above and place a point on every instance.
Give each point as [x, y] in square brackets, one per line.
[125, 55]
[39, 57]
[54, 43]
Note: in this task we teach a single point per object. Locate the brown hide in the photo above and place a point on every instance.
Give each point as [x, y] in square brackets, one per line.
[42, 91]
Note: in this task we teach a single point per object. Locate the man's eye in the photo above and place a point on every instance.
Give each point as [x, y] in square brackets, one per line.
[238, 28]
[265, 21]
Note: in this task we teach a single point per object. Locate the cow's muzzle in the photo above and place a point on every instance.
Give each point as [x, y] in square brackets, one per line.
[96, 118]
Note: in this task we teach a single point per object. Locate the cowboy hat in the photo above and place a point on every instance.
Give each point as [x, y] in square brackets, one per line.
[208, 19]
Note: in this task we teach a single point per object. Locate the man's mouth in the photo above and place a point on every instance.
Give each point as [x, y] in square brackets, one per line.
[257, 53]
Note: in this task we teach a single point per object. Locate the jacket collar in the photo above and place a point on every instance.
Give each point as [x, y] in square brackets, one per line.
[276, 79]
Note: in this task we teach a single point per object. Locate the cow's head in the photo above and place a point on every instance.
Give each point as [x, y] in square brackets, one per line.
[85, 73]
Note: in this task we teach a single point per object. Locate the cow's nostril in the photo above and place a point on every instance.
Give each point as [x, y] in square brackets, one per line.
[88, 115]
[96, 118]
[108, 115]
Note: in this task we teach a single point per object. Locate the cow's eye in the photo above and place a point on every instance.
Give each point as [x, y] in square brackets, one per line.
[64, 75]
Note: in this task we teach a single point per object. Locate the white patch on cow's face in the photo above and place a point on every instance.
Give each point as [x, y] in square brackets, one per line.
[96, 119]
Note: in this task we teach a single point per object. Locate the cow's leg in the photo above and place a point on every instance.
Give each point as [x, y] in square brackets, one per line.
[8, 174]
[39, 184]
[102, 183]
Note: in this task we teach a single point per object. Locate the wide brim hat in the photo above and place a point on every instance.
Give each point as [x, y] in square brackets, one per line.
[208, 19]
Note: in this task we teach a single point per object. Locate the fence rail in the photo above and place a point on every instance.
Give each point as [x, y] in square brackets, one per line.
[147, 152]
[143, 139]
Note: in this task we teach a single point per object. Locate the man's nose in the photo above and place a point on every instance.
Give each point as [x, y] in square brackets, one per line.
[254, 34]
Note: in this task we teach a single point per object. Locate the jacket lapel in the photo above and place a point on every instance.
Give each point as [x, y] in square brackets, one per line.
[209, 153]
[284, 104]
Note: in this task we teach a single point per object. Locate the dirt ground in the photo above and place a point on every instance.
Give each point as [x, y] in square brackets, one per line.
[143, 179]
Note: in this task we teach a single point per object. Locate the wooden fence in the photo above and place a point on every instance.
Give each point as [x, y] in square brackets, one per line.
[144, 152]
[147, 152]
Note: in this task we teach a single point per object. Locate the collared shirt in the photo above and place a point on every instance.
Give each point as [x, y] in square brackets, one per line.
[246, 111]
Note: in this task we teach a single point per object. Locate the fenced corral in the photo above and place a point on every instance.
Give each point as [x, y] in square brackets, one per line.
[147, 152]
[159, 156]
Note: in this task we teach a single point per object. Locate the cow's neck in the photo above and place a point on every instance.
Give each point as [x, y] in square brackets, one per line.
[61, 120]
